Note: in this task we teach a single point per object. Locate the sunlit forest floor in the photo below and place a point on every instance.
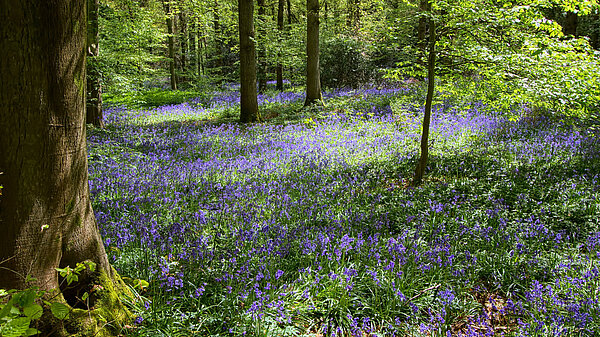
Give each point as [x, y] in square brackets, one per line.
[303, 225]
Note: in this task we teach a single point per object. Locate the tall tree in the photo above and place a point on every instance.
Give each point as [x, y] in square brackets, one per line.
[594, 40]
[248, 97]
[422, 164]
[262, 62]
[171, 42]
[94, 88]
[313, 78]
[45, 212]
[279, 67]
[183, 44]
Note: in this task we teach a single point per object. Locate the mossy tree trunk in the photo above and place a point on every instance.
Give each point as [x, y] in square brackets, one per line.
[313, 78]
[45, 212]
[248, 97]
[422, 164]
[94, 86]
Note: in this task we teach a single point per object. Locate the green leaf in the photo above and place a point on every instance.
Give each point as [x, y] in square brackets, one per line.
[85, 296]
[59, 310]
[32, 332]
[26, 298]
[16, 327]
[6, 310]
[34, 311]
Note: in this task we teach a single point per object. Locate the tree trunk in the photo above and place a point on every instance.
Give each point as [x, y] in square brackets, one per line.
[248, 99]
[171, 44]
[313, 79]
[279, 70]
[570, 28]
[422, 164]
[94, 88]
[289, 11]
[594, 40]
[424, 7]
[262, 62]
[45, 211]
[183, 43]
[219, 46]
[191, 36]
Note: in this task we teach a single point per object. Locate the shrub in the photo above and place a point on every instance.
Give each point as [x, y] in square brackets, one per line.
[344, 63]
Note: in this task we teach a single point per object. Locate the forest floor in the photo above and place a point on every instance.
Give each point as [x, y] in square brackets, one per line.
[303, 225]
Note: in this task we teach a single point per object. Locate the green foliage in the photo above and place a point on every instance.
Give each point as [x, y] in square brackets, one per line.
[344, 63]
[20, 308]
[155, 97]
[129, 41]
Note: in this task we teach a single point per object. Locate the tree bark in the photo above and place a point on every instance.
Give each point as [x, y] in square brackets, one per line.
[171, 43]
[422, 164]
[248, 98]
[94, 84]
[594, 40]
[289, 11]
[192, 36]
[262, 62]
[219, 46]
[424, 7]
[570, 28]
[183, 43]
[313, 79]
[45, 211]
[279, 68]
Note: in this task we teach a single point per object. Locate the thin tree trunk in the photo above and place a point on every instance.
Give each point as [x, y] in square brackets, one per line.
[594, 40]
[570, 28]
[279, 70]
[248, 99]
[289, 11]
[191, 36]
[424, 7]
[422, 164]
[94, 86]
[171, 44]
[262, 62]
[219, 48]
[313, 79]
[183, 42]
[46, 216]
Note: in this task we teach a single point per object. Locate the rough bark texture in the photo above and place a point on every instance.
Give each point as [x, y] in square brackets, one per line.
[45, 212]
[422, 164]
[248, 99]
[313, 78]
[279, 69]
[570, 27]
[262, 57]
[94, 88]
[171, 44]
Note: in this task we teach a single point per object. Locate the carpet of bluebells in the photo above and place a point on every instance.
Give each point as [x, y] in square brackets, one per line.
[304, 225]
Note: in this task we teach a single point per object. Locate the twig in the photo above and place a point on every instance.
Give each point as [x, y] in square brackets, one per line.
[424, 291]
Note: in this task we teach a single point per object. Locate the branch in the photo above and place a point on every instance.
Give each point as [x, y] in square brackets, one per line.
[424, 291]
